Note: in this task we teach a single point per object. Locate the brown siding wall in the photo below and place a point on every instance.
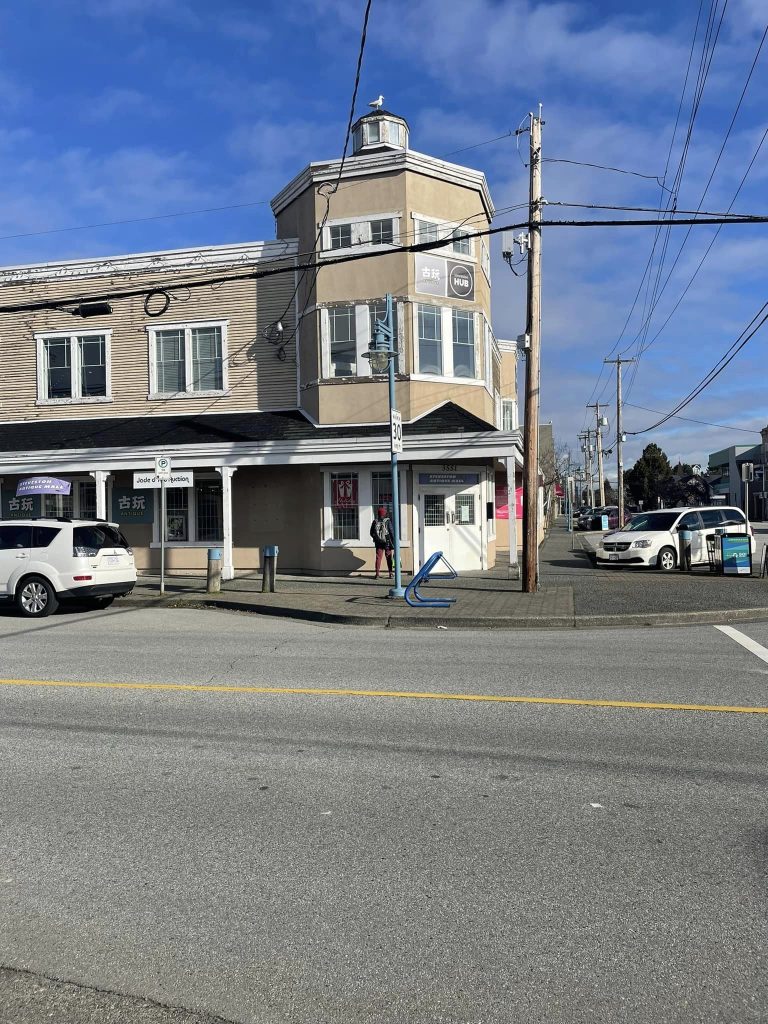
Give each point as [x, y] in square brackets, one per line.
[257, 378]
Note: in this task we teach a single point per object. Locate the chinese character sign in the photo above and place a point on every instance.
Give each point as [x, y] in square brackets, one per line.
[129, 506]
[344, 492]
[20, 508]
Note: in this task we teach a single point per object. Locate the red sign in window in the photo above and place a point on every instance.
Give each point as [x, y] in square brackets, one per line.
[344, 493]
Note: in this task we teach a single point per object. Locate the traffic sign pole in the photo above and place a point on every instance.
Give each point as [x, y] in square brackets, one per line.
[162, 536]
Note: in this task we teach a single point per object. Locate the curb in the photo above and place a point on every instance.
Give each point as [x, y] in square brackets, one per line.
[692, 618]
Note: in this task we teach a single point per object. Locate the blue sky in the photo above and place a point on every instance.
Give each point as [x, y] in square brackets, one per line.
[122, 109]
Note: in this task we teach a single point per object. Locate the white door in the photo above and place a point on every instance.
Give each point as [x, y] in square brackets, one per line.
[451, 523]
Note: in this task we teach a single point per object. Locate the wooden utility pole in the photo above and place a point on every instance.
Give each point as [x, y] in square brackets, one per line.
[532, 369]
[599, 442]
[619, 436]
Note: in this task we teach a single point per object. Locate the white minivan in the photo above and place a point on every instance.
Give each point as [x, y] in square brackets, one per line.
[652, 538]
[45, 561]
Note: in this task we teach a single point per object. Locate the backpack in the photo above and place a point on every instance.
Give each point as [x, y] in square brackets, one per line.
[381, 526]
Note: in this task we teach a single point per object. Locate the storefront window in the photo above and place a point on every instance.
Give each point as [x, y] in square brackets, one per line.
[381, 492]
[209, 514]
[177, 514]
[344, 506]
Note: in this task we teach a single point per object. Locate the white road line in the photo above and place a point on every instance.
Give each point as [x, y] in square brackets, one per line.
[741, 638]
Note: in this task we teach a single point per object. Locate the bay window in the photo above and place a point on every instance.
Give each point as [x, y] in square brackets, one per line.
[430, 339]
[447, 344]
[463, 343]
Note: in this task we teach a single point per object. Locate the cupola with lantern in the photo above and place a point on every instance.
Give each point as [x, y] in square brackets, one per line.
[379, 130]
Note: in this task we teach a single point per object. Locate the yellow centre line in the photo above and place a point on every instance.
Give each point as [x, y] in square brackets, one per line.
[645, 705]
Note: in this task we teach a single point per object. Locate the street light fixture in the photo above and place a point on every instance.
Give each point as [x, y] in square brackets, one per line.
[382, 355]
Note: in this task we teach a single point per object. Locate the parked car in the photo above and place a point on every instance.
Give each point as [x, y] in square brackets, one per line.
[651, 538]
[612, 511]
[46, 561]
[583, 520]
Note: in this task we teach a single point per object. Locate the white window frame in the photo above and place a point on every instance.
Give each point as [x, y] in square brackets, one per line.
[485, 260]
[508, 403]
[75, 493]
[362, 337]
[74, 358]
[197, 478]
[447, 376]
[447, 228]
[361, 234]
[365, 509]
[187, 326]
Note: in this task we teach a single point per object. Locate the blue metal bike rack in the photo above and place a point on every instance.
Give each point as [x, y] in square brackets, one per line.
[423, 576]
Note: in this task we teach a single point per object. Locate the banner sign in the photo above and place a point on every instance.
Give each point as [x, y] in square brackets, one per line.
[344, 492]
[42, 485]
[21, 508]
[448, 479]
[129, 506]
[519, 502]
[436, 275]
[737, 555]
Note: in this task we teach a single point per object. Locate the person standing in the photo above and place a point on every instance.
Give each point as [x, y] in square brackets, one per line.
[383, 536]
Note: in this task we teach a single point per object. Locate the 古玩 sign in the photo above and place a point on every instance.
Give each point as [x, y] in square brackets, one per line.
[21, 508]
[129, 506]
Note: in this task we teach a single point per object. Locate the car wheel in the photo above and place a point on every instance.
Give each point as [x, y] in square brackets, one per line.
[36, 598]
[667, 559]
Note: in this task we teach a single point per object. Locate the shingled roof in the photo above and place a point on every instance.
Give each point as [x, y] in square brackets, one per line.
[214, 428]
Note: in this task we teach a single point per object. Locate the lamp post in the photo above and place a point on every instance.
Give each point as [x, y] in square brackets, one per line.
[382, 354]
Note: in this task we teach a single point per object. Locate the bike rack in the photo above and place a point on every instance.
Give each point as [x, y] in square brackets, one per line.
[423, 576]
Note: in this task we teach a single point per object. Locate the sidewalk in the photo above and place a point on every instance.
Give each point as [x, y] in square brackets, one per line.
[573, 593]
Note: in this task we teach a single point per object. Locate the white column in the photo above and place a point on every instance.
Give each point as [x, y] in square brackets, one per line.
[514, 568]
[227, 561]
[101, 476]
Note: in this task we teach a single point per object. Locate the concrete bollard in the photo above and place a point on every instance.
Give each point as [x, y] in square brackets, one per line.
[684, 558]
[214, 570]
[269, 570]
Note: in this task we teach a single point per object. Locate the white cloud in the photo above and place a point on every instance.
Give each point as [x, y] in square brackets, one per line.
[114, 102]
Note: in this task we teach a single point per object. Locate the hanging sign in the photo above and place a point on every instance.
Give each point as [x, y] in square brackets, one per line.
[143, 480]
[43, 485]
[344, 492]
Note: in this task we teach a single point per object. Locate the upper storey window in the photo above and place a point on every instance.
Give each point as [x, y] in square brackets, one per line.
[457, 238]
[73, 368]
[362, 232]
[188, 360]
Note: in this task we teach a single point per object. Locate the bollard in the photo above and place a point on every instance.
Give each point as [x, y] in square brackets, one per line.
[214, 570]
[684, 561]
[269, 570]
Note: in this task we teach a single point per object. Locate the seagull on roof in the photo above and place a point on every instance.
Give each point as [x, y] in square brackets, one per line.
[377, 104]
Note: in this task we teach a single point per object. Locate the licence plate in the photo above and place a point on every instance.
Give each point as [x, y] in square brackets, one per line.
[613, 558]
[113, 560]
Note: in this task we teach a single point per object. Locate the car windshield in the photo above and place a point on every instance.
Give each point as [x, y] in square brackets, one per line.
[653, 521]
[98, 537]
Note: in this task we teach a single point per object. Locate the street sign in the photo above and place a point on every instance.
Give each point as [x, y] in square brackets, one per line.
[163, 466]
[141, 481]
[396, 426]
[747, 472]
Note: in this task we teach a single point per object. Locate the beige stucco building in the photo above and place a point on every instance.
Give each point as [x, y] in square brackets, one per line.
[246, 365]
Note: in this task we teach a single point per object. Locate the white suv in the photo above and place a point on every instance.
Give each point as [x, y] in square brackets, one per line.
[652, 538]
[45, 561]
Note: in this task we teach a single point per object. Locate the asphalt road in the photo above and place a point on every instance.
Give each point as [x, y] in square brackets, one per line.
[294, 857]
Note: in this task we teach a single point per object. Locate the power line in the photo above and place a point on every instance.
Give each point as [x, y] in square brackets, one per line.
[603, 167]
[157, 289]
[746, 335]
[649, 262]
[477, 145]
[703, 423]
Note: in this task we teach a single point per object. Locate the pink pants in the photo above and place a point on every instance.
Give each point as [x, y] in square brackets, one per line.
[388, 553]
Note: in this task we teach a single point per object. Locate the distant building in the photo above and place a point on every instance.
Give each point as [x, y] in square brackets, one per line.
[725, 476]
